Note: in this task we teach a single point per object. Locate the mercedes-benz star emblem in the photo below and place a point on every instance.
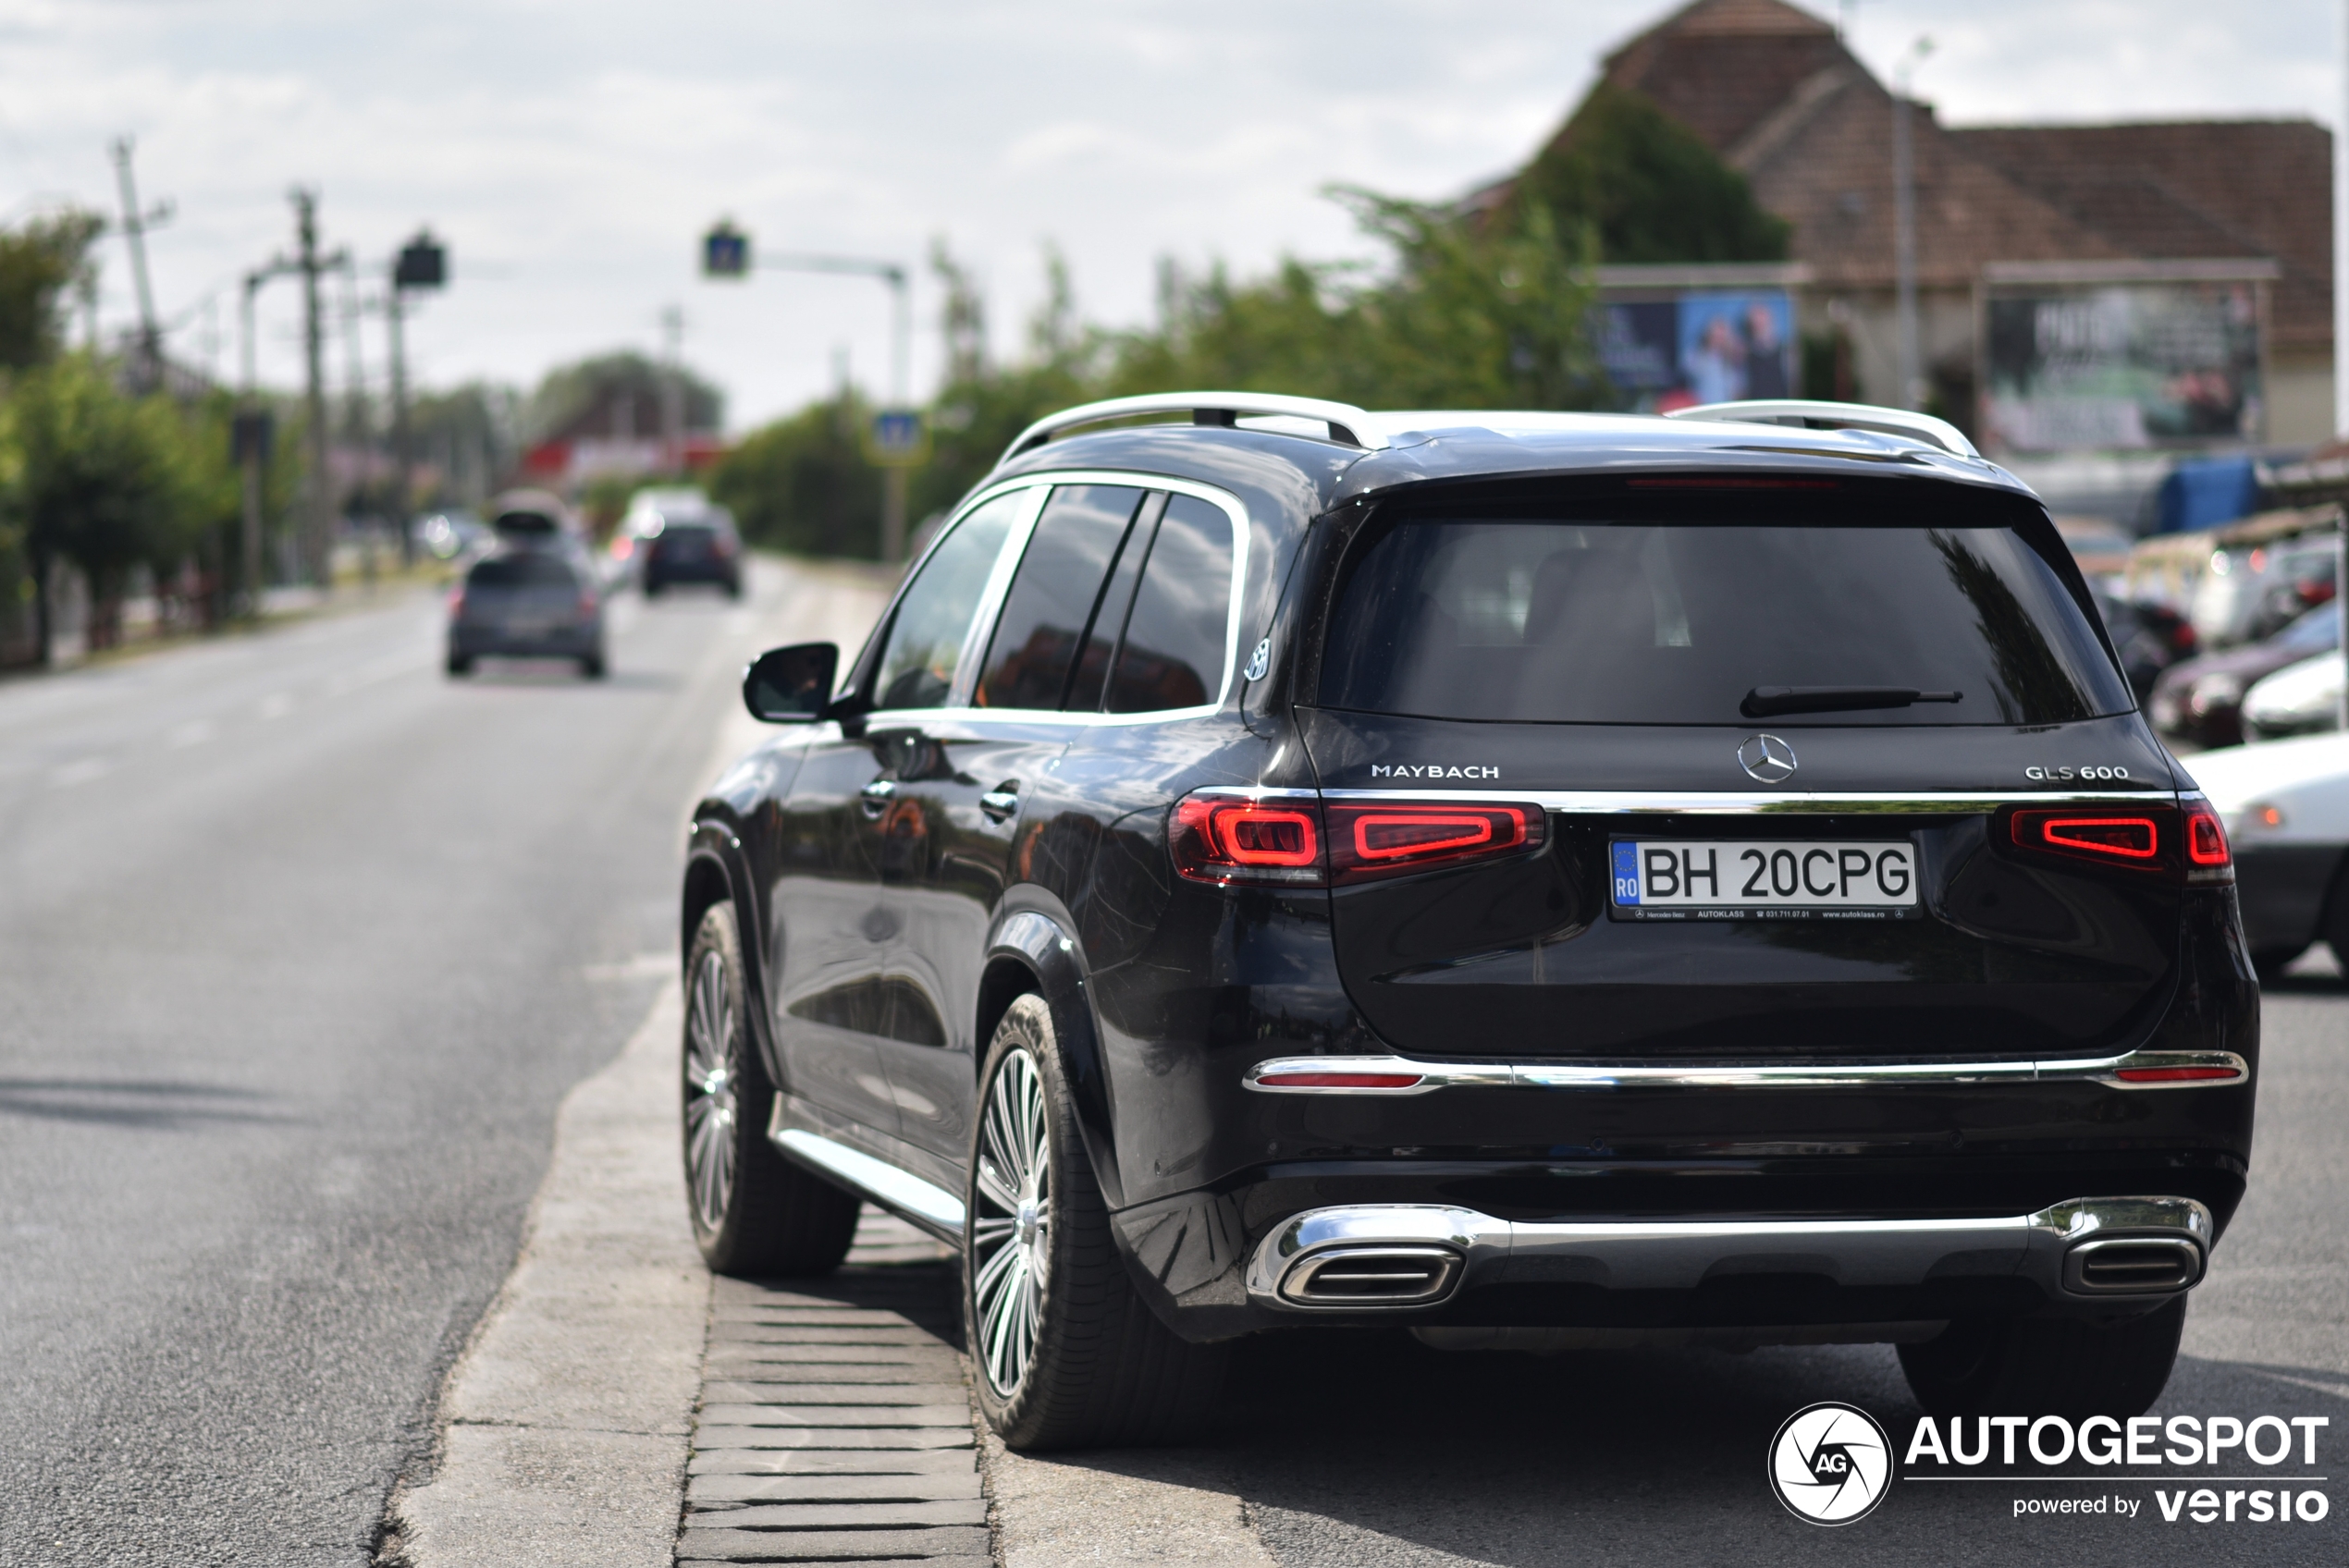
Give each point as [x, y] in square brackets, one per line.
[1830, 1464]
[1768, 759]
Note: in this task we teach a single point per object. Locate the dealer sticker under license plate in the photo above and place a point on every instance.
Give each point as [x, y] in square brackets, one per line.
[1697, 879]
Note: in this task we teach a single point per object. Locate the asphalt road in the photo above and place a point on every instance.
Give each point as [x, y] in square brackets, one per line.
[1367, 1452]
[300, 944]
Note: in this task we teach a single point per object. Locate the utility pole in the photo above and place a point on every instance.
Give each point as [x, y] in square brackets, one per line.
[135, 224]
[318, 545]
[358, 427]
[673, 391]
[255, 433]
[1904, 227]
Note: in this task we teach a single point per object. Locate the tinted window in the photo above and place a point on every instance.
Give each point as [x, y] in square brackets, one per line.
[531, 570]
[1172, 655]
[1628, 623]
[1056, 596]
[2314, 632]
[925, 644]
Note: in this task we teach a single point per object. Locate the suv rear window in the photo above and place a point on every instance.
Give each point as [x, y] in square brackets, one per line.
[1541, 621]
[530, 571]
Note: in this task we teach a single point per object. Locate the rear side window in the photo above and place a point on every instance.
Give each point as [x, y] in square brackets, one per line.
[521, 572]
[1056, 597]
[1638, 623]
[925, 644]
[1176, 636]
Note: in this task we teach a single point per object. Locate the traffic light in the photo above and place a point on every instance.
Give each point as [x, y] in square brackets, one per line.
[422, 263]
[725, 251]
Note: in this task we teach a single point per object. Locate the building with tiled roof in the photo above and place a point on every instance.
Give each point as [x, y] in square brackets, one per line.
[1772, 89]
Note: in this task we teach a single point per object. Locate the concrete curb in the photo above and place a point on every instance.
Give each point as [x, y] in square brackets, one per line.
[565, 1422]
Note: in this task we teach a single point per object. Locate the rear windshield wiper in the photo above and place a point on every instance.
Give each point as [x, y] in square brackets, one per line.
[1764, 702]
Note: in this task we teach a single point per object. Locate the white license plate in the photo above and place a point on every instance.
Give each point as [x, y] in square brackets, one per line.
[1693, 878]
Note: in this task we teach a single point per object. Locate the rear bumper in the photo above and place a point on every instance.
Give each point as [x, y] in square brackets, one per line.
[568, 641]
[2106, 1253]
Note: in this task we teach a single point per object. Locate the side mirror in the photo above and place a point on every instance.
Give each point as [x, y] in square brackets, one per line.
[791, 685]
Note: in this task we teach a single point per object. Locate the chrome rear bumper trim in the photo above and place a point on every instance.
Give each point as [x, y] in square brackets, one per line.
[1680, 1255]
[1330, 1074]
[1745, 803]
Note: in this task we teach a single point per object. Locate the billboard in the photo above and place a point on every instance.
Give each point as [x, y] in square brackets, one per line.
[1700, 346]
[2122, 365]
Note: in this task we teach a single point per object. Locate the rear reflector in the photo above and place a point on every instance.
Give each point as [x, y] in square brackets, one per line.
[1338, 1080]
[2176, 1075]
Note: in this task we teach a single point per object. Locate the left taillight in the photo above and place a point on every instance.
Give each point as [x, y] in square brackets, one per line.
[1231, 838]
[1302, 842]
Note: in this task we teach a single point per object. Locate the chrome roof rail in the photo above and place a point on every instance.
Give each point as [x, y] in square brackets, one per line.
[1348, 425]
[1805, 413]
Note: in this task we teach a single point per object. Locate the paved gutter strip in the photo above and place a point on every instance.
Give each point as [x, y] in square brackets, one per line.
[835, 1424]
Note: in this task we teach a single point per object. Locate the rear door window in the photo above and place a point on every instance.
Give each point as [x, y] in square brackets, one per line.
[1636, 623]
[1056, 597]
[924, 648]
[1176, 637]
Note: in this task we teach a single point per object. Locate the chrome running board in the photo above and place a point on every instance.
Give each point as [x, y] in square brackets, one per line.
[902, 1193]
[2057, 1249]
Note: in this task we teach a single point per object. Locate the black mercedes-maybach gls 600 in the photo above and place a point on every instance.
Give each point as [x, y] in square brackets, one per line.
[1541, 880]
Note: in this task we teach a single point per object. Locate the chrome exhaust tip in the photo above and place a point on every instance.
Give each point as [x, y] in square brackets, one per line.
[1373, 1276]
[2111, 1266]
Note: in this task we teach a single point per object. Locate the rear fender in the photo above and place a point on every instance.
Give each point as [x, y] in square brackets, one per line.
[1033, 947]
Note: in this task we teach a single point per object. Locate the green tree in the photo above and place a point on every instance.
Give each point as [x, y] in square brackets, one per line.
[103, 480]
[37, 263]
[1646, 186]
[802, 483]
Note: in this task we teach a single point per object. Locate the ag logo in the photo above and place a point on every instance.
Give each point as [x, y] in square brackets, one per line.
[1830, 1464]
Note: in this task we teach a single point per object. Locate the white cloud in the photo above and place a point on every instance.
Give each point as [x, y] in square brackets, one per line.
[571, 152]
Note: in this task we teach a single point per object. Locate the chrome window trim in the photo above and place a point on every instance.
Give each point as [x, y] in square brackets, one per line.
[1694, 803]
[1434, 1075]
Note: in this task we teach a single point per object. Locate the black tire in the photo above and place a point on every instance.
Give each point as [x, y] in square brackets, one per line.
[459, 664]
[1078, 1360]
[755, 1214]
[652, 588]
[592, 666]
[2047, 1365]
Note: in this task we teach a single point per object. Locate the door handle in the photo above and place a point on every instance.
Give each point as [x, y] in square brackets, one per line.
[999, 803]
[875, 796]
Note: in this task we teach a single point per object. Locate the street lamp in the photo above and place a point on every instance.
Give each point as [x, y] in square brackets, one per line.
[1904, 225]
[896, 442]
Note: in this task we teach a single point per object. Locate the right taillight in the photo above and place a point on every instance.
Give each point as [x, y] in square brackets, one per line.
[2209, 858]
[2187, 844]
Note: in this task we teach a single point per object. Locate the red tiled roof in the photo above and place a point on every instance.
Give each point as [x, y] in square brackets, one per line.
[1771, 88]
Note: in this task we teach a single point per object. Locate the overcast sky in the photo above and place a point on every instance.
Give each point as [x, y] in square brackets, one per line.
[571, 151]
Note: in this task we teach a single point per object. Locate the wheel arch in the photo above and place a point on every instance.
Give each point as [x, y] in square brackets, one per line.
[1034, 949]
[717, 871]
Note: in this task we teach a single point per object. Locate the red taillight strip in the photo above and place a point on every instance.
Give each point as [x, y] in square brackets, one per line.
[2066, 833]
[2133, 1070]
[1463, 830]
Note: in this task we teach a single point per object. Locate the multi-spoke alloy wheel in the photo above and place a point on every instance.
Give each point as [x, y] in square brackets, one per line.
[753, 1214]
[1010, 1223]
[1070, 1355]
[709, 1091]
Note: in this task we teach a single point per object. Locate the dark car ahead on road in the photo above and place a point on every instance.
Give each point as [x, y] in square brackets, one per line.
[1541, 880]
[528, 602]
[2201, 699]
[694, 547]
